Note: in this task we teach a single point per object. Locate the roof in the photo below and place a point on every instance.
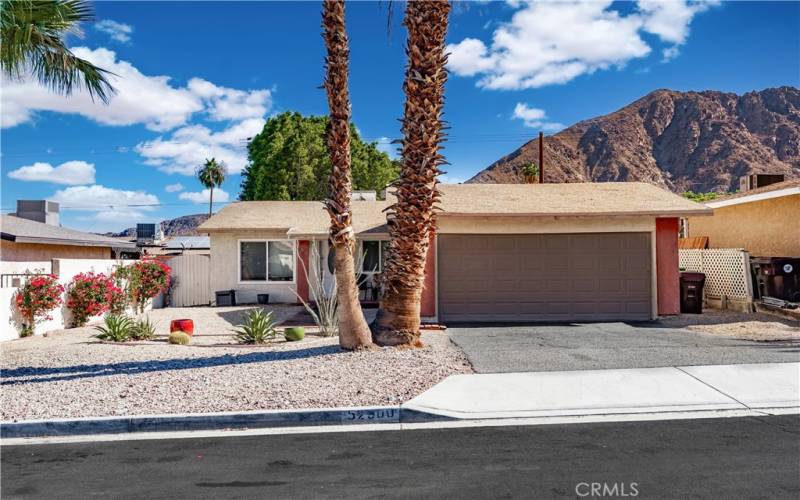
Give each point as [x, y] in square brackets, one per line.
[187, 242]
[21, 230]
[568, 199]
[777, 190]
[306, 218]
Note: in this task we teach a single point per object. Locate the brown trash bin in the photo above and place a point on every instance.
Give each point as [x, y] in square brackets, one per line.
[692, 292]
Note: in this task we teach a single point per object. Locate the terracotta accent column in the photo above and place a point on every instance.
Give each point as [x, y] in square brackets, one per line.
[303, 251]
[428, 299]
[667, 266]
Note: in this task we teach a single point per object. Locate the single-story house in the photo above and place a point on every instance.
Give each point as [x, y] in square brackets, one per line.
[25, 240]
[501, 252]
[764, 221]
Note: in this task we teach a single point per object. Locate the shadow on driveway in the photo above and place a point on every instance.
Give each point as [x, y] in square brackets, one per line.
[495, 348]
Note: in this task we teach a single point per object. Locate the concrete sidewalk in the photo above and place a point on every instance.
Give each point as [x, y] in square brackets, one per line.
[766, 386]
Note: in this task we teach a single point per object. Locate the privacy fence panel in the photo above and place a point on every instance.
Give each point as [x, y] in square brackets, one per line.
[727, 273]
[191, 280]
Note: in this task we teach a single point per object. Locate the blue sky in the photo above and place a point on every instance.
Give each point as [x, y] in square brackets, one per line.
[198, 78]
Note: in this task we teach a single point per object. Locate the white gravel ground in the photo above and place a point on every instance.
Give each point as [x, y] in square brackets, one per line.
[758, 326]
[71, 374]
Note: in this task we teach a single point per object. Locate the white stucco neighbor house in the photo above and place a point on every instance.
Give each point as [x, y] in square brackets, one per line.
[501, 252]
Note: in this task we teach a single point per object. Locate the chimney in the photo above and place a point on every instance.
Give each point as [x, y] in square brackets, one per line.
[42, 211]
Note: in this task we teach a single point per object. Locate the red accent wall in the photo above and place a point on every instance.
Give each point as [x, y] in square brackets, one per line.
[428, 300]
[303, 250]
[667, 266]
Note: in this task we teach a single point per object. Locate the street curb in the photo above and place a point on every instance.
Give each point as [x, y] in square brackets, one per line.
[216, 421]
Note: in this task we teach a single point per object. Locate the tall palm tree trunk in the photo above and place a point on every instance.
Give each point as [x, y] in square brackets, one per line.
[412, 218]
[211, 201]
[354, 332]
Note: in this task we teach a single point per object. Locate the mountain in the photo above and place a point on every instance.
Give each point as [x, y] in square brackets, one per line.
[181, 226]
[683, 141]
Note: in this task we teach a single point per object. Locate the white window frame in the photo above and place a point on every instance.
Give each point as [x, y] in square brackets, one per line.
[380, 256]
[266, 244]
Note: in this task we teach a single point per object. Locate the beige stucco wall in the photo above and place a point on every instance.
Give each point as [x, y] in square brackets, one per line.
[20, 252]
[534, 225]
[225, 270]
[767, 228]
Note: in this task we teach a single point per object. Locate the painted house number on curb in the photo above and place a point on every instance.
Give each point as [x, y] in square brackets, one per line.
[384, 414]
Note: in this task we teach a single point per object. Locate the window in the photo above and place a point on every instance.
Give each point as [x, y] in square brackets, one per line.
[267, 261]
[374, 255]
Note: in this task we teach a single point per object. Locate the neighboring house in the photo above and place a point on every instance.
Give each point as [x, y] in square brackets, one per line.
[29, 240]
[182, 245]
[501, 252]
[764, 221]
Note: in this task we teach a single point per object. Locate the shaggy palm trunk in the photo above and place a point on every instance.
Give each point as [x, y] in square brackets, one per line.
[354, 332]
[412, 219]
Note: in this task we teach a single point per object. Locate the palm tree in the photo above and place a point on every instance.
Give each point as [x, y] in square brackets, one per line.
[354, 332]
[32, 34]
[212, 174]
[412, 219]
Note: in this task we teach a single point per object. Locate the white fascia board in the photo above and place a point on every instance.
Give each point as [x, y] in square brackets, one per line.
[754, 197]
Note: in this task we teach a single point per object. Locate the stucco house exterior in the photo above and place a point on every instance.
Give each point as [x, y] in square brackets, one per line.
[764, 221]
[25, 240]
[501, 252]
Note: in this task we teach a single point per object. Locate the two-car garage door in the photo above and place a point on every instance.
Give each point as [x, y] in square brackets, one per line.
[544, 277]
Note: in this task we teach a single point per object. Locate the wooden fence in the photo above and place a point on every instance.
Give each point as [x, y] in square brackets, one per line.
[191, 276]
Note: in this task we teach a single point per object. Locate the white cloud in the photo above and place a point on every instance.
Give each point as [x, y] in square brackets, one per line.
[188, 147]
[119, 32]
[174, 188]
[548, 43]
[97, 198]
[386, 145]
[534, 117]
[140, 99]
[71, 173]
[203, 196]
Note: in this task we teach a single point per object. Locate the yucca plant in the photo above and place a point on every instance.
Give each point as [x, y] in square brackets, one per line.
[143, 329]
[117, 328]
[258, 327]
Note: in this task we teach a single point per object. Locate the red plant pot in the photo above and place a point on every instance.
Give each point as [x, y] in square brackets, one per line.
[182, 325]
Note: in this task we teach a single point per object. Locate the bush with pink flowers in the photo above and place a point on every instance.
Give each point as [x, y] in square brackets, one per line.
[90, 294]
[35, 299]
[145, 279]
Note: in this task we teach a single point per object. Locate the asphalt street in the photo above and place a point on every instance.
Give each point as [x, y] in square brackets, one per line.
[711, 458]
[597, 346]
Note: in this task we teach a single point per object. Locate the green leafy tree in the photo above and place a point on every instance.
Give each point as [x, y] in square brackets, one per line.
[212, 174]
[699, 197]
[530, 171]
[32, 34]
[289, 160]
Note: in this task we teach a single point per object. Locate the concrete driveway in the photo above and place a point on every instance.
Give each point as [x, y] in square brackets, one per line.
[511, 348]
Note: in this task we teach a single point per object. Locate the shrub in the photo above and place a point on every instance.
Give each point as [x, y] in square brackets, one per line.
[143, 329]
[144, 280]
[118, 300]
[117, 328]
[35, 299]
[258, 327]
[294, 333]
[88, 295]
[180, 338]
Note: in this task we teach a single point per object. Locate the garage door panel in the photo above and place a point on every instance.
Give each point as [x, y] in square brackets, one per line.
[550, 277]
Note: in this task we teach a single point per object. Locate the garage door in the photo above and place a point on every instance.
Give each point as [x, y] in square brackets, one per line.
[544, 277]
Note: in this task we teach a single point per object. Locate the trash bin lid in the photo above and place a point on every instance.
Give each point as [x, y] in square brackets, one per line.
[689, 276]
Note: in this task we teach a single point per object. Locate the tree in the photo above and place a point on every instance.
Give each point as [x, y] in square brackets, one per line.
[530, 172]
[411, 219]
[289, 160]
[354, 332]
[32, 34]
[212, 174]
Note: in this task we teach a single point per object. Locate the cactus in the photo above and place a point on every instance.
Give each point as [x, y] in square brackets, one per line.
[179, 338]
[293, 333]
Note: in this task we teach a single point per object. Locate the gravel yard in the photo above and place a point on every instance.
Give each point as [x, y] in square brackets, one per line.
[72, 374]
[759, 326]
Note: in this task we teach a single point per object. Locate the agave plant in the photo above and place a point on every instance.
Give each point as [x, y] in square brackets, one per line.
[117, 328]
[258, 327]
[143, 329]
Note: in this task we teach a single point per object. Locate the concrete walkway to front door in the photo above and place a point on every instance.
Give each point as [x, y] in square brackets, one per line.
[763, 388]
[591, 346]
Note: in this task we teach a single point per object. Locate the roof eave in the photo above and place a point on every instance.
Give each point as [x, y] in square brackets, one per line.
[778, 193]
[648, 213]
[74, 243]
